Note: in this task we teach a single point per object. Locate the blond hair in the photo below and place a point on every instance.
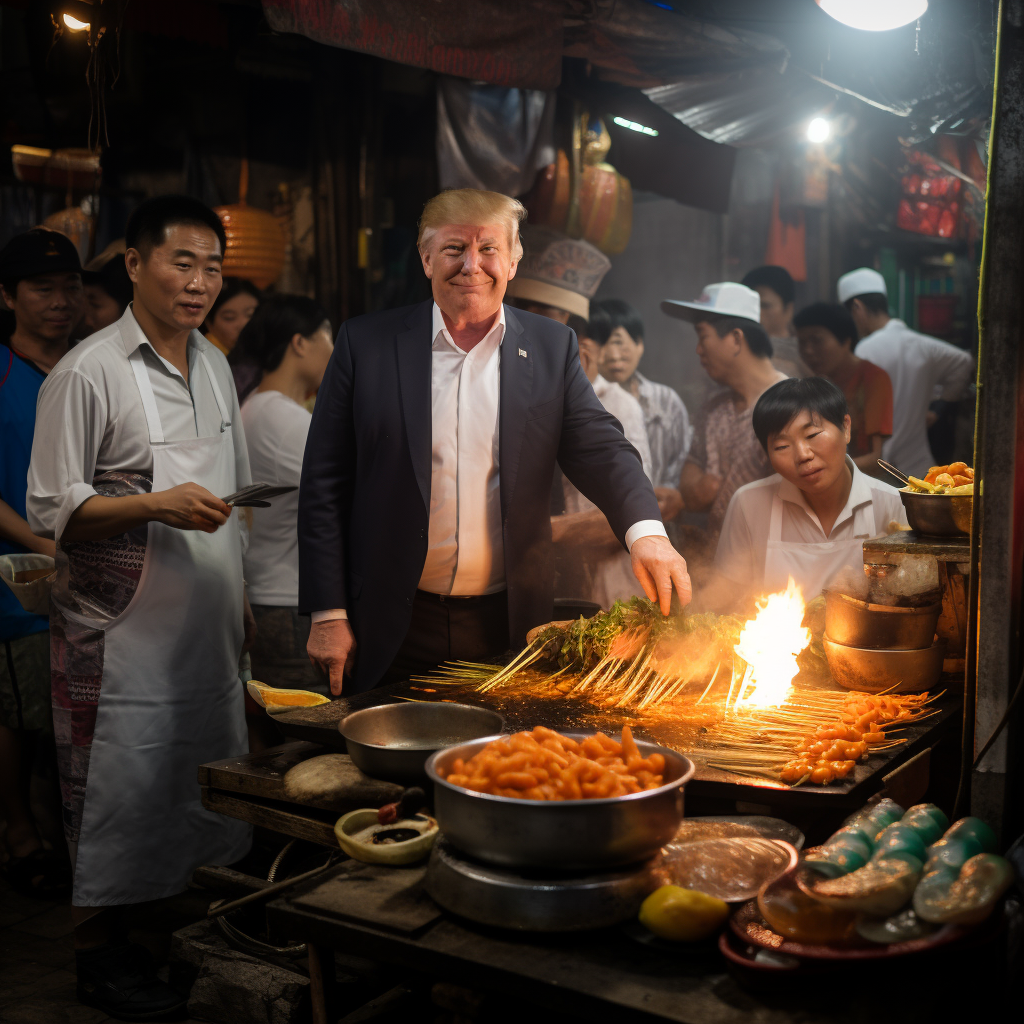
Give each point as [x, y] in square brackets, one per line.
[472, 205]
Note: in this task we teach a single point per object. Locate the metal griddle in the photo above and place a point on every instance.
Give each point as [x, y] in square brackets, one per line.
[320, 724]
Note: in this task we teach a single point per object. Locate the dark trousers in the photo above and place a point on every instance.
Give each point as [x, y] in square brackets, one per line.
[450, 629]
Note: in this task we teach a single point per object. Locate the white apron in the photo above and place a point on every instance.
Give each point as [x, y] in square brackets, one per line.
[813, 565]
[170, 698]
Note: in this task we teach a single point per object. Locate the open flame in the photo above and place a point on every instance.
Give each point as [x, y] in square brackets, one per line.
[769, 644]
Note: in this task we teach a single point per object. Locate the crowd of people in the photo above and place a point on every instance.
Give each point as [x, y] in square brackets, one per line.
[448, 459]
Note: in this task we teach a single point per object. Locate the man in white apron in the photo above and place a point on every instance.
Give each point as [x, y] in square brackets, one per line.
[138, 435]
[811, 518]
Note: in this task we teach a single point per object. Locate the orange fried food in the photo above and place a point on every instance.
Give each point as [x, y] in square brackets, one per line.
[956, 474]
[544, 765]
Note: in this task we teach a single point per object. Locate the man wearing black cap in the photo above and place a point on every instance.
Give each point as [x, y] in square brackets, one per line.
[41, 284]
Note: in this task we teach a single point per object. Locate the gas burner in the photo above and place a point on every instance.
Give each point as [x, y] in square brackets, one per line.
[536, 900]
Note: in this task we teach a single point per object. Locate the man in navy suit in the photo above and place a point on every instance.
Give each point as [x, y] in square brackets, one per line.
[424, 526]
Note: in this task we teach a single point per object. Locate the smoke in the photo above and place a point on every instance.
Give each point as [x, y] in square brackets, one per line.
[907, 581]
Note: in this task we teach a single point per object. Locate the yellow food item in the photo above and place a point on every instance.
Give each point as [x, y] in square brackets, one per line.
[544, 765]
[956, 478]
[682, 915]
[272, 697]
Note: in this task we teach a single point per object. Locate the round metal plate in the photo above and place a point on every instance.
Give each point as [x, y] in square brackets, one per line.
[728, 826]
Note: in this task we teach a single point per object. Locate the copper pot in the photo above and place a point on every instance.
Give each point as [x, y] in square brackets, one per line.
[874, 671]
[857, 623]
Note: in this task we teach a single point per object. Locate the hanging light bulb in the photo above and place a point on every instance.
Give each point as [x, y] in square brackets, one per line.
[74, 24]
[874, 15]
[818, 130]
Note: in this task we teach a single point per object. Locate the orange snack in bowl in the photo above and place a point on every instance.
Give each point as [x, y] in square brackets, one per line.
[544, 765]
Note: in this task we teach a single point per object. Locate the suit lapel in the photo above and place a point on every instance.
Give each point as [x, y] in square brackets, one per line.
[516, 393]
[413, 349]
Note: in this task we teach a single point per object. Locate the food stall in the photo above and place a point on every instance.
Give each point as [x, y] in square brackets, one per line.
[518, 826]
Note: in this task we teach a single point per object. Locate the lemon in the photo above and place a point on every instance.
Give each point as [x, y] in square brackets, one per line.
[682, 915]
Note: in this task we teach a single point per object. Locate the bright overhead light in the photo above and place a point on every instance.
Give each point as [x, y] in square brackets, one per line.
[874, 15]
[818, 130]
[74, 24]
[635, 126]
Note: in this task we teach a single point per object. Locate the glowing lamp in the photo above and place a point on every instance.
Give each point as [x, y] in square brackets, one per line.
[818, 130]
[874, 15]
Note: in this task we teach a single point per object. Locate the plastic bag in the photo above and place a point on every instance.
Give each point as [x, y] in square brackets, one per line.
[26, 577]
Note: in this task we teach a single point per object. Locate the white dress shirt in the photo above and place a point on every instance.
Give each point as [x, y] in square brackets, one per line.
[276, 427]
[90, 419]
[743, 543]
[465, 550]
[921, 369]
[612, 578]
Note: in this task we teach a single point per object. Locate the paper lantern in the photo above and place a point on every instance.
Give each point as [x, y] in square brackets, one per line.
[256, 244]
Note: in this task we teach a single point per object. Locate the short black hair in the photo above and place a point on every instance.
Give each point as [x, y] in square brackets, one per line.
[781, 402]
[756, 336]
[264, 340]
[832, 317]
[231, 288]
[607, 314]
[778, 279]
[150, 220]
[580, 326]
[874, 302]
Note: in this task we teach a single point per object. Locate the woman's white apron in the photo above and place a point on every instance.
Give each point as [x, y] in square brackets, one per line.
[812, 565]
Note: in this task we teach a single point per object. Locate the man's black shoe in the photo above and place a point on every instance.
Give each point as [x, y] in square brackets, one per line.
[120, 978]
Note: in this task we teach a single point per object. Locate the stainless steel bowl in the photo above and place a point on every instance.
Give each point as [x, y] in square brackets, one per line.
[872, 671]
[572, 835]
[938, 515]
[856, 623]
[393, 741]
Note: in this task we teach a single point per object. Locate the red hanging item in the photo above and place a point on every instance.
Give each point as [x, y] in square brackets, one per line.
[930, 204]
[787, 241]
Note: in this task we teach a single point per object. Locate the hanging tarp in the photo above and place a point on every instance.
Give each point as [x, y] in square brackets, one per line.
[492, 137]
[518, 45]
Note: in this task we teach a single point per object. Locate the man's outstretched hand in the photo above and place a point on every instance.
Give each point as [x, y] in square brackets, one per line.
[660, 568]
[332, 648]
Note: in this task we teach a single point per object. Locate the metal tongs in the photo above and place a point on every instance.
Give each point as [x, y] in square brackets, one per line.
[893, 471]
[914, 483]
[256, 496]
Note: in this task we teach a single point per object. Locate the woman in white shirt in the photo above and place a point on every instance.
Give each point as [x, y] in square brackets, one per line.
[810, 519]
[289, 340]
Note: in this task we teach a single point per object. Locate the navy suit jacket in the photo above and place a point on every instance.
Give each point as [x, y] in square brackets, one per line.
[365, 490]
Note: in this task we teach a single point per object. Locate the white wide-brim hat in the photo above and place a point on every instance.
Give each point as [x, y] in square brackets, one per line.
[724, 299]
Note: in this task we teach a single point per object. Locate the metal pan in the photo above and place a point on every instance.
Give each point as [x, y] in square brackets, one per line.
[393, 741]
[938, 515]
[566, 835]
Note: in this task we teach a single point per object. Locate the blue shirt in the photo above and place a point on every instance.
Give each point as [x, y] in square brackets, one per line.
[20, 381]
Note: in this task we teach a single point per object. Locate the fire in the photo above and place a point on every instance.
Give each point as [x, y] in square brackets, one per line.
[769, 644]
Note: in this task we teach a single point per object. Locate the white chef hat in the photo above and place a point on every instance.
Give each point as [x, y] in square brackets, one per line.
[864, 281]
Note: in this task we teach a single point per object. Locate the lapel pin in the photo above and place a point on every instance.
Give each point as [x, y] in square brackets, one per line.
[522, 352]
